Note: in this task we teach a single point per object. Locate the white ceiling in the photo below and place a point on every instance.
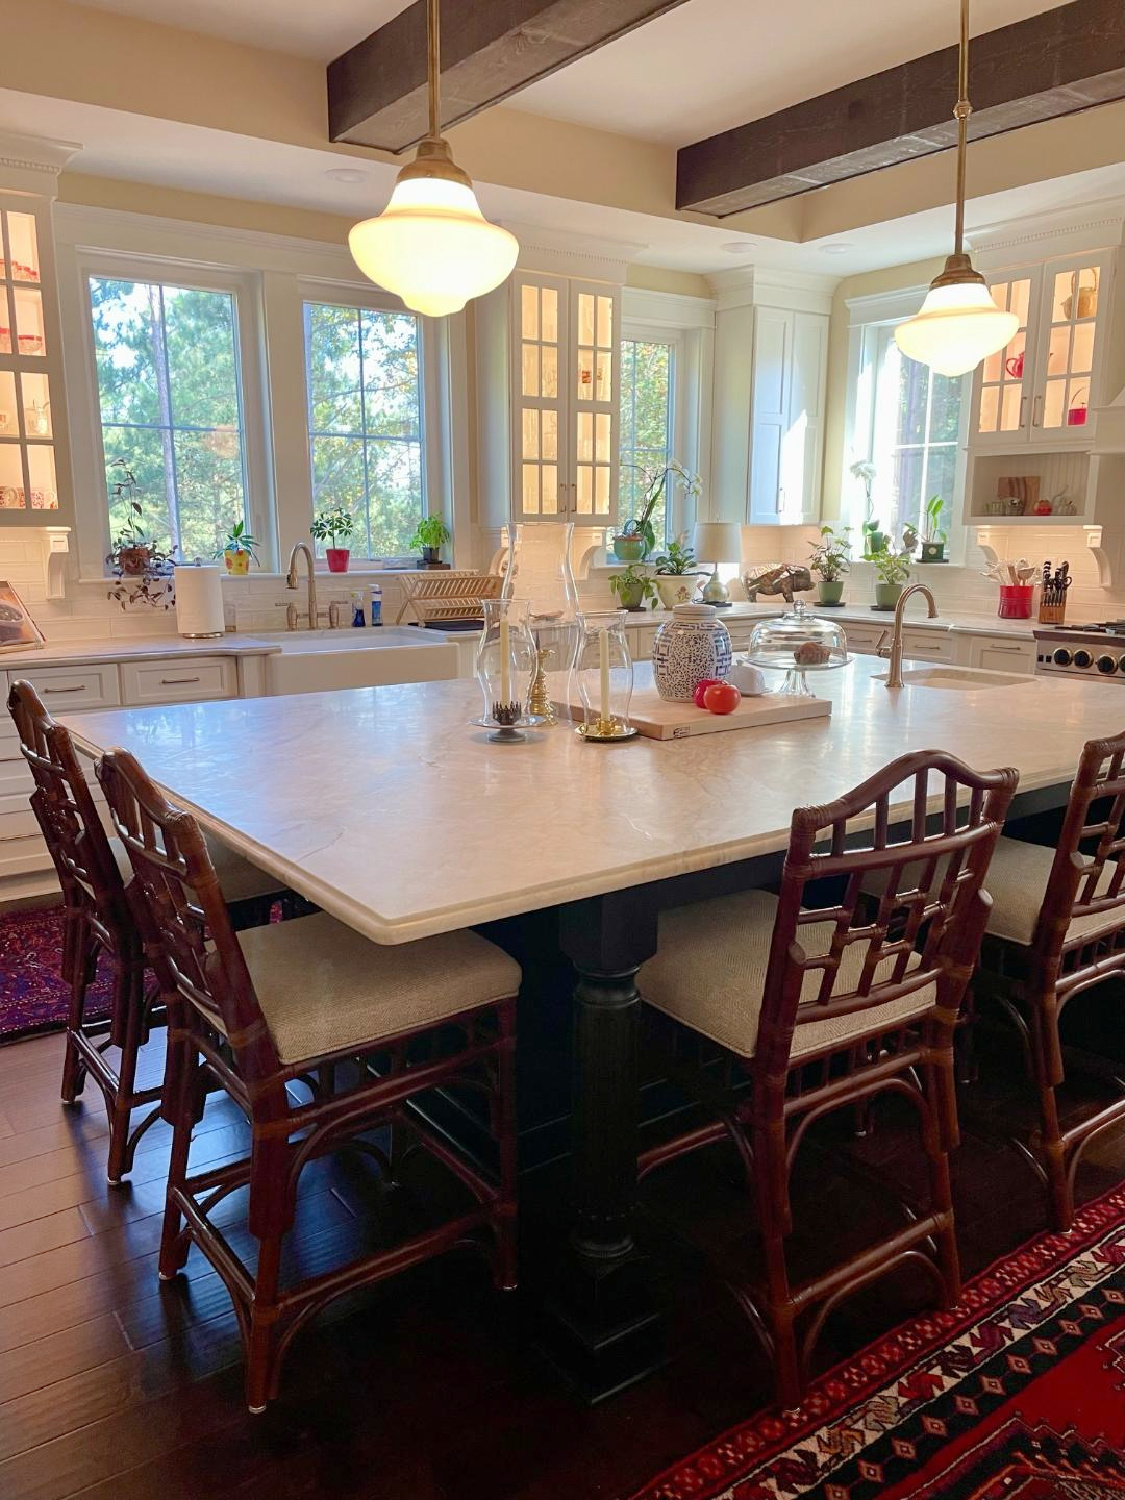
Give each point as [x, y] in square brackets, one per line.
[703, 67]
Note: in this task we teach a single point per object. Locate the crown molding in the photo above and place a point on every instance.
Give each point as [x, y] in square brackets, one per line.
[885, 307]
[667, 309]
[770, 286]
[1091, 226]
[573, 254]
[32, 163]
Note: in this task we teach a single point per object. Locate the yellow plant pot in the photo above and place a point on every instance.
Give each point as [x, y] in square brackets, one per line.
[238, 563]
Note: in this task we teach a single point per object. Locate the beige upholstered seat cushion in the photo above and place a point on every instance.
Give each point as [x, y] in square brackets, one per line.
[239, 880]
[1017, 882]
[709, 972]
[325, 988]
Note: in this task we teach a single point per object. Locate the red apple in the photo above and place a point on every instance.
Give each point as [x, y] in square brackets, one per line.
[701, 688]
[721, 698]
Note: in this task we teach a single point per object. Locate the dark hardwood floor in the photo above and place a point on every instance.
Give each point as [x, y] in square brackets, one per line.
[427, 1388]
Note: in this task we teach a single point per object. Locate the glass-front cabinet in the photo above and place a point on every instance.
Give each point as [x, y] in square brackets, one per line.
[565, 354]
[27, 459]
[1041, 388]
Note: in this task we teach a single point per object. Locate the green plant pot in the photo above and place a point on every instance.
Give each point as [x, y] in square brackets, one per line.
[932, 552]
[830, 593]
[632, 598]
[629, 549]
[887, 594]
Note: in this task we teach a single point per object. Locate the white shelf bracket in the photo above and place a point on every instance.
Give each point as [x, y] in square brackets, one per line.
[1093, 539]
[54, 560]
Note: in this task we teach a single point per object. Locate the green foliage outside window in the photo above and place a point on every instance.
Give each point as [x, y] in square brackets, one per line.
[646, 428]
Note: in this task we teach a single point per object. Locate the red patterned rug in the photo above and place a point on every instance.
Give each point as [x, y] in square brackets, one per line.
[32, 996]
[1019, 1392]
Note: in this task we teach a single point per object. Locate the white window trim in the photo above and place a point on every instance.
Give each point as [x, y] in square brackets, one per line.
[271, 271]
[866, 317]
[88, 456]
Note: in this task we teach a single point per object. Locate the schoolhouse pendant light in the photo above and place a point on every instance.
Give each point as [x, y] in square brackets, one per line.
[431, 244]
[959, 324]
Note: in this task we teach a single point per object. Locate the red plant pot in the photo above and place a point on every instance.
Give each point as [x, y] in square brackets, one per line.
[337, 558]
[1015, 601]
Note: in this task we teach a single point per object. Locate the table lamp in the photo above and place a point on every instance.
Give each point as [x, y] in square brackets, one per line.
[717, 542]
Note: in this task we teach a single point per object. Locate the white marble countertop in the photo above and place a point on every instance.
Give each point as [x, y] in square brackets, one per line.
[961, 621]
[99, 649]
[385, 806]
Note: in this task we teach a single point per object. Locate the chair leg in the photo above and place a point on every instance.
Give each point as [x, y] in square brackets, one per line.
[77, 966]
[261, 1363]
[129, 998]
[180, 1086]
[1045, 1044]
[770, 1180]
[941, 1192]
[507, 1270]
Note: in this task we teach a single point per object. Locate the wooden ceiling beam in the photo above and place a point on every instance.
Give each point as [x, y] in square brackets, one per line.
[1061, 61]
[490, 49]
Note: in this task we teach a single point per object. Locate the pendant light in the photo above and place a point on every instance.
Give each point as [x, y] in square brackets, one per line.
[959, 324]
[431, 245]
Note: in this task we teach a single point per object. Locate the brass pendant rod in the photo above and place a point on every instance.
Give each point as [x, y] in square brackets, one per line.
[433, 64]
[961, 113]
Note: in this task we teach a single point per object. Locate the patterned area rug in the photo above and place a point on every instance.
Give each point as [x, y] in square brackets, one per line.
[1020, 1391]
[32, 996]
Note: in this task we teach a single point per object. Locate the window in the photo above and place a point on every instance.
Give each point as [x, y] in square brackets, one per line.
[908, 424]
[648, 370]
[170, 403]
[365, 421]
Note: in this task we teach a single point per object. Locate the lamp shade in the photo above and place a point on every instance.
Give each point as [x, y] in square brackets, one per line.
[432, 245]
[717, 541]
[956, 327]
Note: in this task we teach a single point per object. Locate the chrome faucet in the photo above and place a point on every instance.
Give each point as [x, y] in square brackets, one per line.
[894, 650]
[291, 580]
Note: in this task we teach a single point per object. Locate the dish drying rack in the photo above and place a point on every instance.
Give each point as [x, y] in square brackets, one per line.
[447, 598]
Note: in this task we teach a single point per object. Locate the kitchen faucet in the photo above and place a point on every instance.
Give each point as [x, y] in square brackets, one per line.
[291, 580]
[894, 650]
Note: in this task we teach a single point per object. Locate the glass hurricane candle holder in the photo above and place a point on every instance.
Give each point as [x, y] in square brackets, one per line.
[603, 673]
[505, 660]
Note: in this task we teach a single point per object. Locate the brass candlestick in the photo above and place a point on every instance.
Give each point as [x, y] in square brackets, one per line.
[538, 698]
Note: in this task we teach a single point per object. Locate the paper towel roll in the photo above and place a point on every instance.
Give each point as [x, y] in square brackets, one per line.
[199, 602]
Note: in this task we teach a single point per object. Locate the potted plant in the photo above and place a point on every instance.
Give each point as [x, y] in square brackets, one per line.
[892, 572]
[633, 589]
[238, 549]
[933, 533]
[676, 574]
[829, 559]
[874, 540]
[331, 525]
[134, 556]
[431, 536]
[636, 539]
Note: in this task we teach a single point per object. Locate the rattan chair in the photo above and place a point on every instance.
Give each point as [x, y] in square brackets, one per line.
[92, 870]
[1057, 930]
[366, 1028]
[820, 999]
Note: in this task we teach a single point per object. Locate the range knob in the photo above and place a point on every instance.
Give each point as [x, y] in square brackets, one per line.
[1061, 657]
[1121, 663]
[1107, 665]
[1082, 658]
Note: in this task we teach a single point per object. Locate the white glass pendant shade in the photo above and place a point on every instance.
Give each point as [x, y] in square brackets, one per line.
[957, 326]
[432, 246]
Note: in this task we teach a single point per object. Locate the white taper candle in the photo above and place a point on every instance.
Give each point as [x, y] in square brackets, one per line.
[603, 661]
[505, 664]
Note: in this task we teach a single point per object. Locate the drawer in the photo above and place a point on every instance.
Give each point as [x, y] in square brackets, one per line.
[863, 638]
[179, 681]
[16, 822]
[928, 645]
[15, 777]
[64, 689]
[997, 654]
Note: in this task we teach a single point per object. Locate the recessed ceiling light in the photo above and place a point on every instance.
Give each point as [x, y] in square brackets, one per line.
[345, 174]
[838, 247]
[739, 247]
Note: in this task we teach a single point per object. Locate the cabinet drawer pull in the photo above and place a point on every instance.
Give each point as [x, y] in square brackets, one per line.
[177, 681]
[1011, 650]
[1037, 412]
[77, 688]
[1023, 411]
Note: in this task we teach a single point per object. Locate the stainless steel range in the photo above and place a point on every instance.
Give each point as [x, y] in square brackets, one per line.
[1094, 651]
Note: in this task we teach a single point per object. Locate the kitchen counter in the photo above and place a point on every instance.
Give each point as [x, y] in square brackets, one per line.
[502, 830]
[100, 649]
[960, 621]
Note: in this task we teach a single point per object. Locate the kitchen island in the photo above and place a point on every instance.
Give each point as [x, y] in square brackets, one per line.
[388, 809]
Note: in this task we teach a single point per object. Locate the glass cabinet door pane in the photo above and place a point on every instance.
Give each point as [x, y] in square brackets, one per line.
[11, 477]
[36, 400]
[529, 298]
[1002, 377]
[9, 406]
[41, 471]
[23, 248]
[29, 322]
[535, 309]
[1070, 353]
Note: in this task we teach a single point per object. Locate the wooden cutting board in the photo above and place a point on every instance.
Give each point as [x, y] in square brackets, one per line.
[655, 717]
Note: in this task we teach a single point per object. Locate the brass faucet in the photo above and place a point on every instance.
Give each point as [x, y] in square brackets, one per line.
[894, 650]
[291, 579]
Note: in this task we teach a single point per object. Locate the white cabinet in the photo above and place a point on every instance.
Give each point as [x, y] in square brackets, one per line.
[179, 681]
[565, 369]
[998, 653]
[787, 417]
[1041, 389]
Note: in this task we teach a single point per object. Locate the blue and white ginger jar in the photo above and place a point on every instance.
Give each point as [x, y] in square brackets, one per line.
[692, 645]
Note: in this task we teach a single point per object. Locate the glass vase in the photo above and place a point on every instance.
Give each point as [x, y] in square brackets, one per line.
[603, 675]
[540, 571]
[505, 659]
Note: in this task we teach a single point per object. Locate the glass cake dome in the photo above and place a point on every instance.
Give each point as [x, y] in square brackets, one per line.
[795, 643]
